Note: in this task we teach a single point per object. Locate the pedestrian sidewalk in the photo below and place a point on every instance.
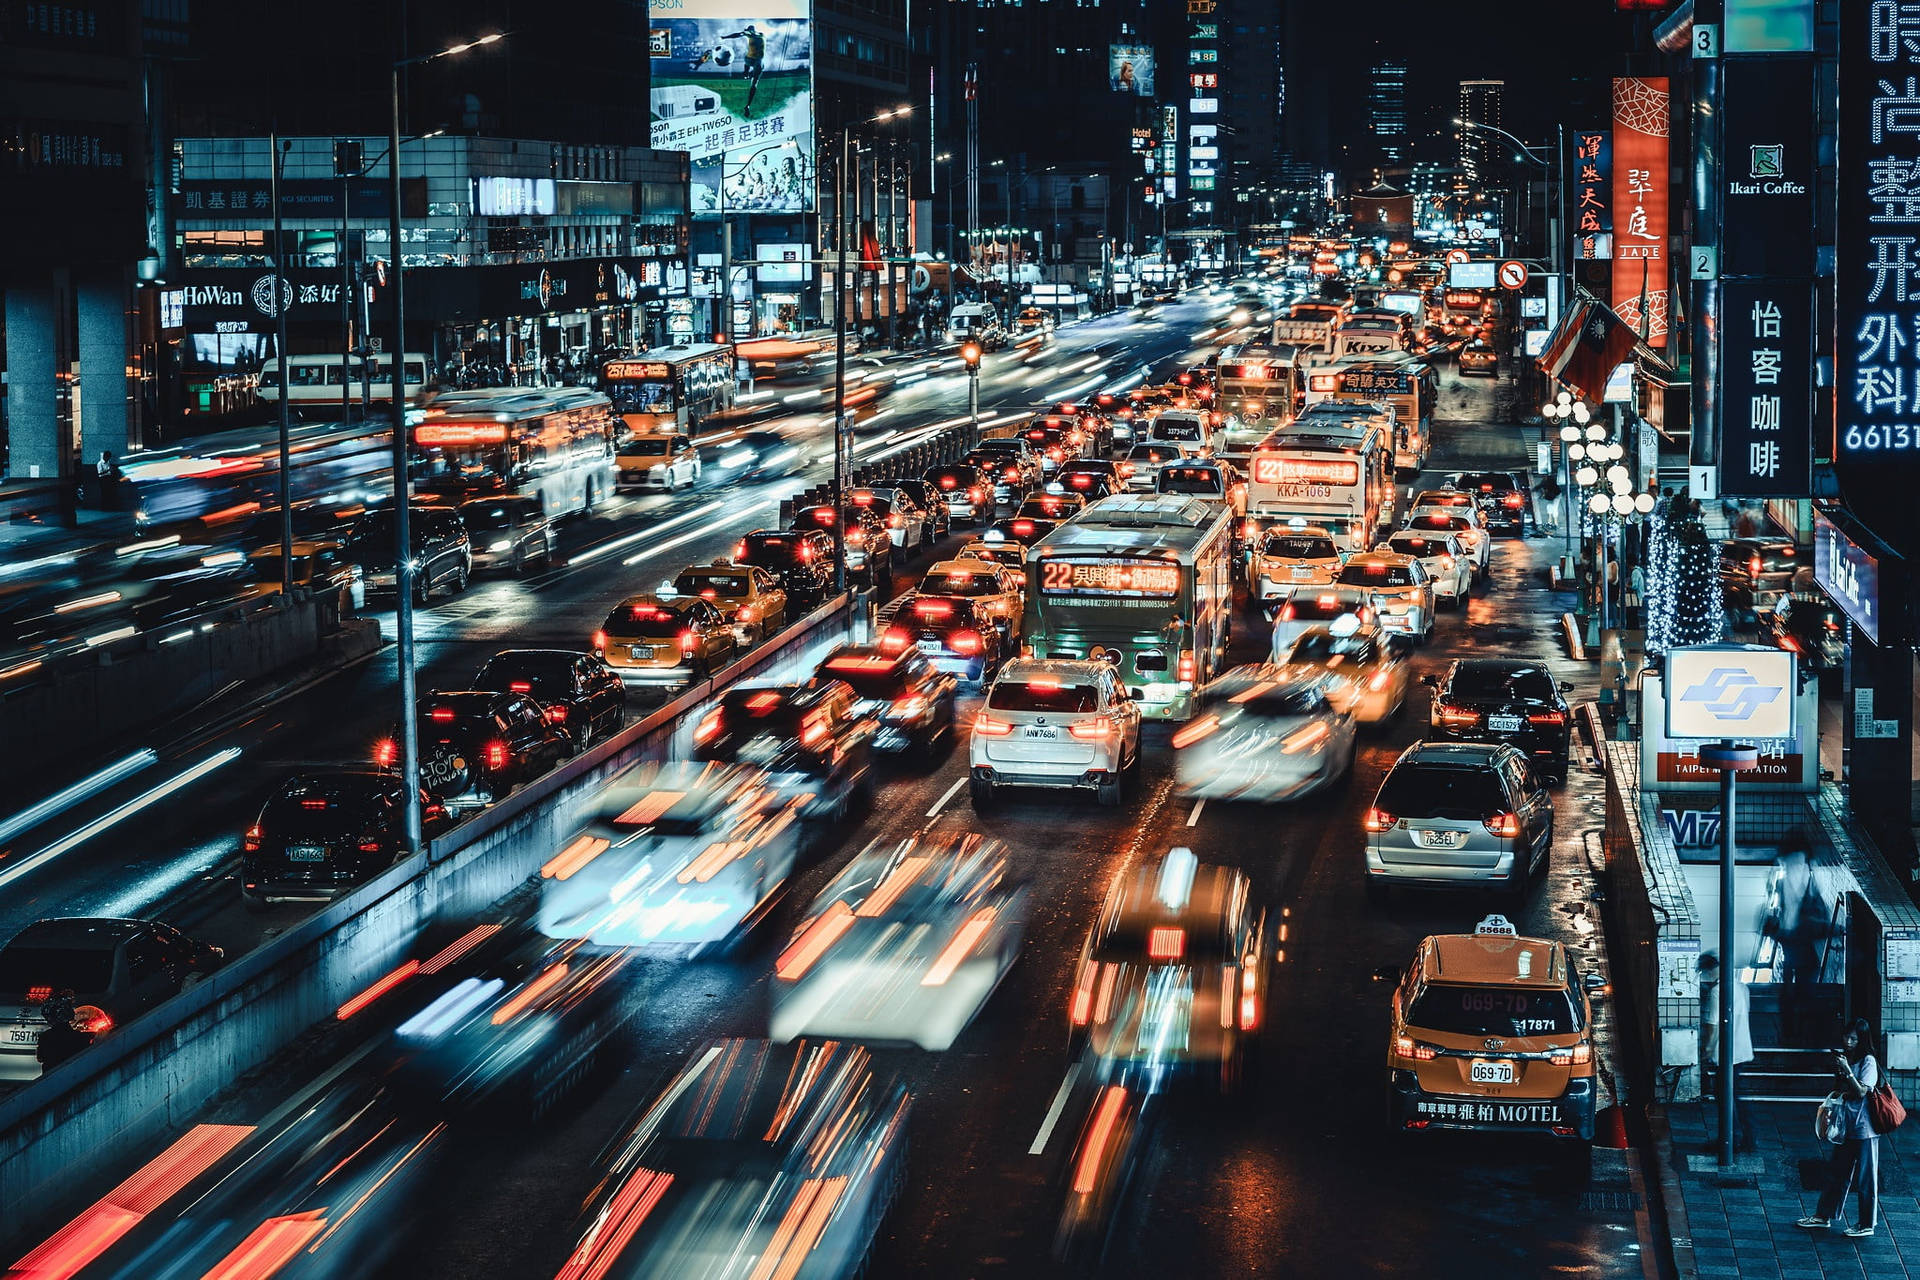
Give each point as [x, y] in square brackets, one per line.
[1741, 1225]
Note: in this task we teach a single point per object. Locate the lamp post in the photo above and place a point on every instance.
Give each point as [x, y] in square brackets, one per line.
[281, 290]
[840, 454]
[402, 490]
[946, 157]
[1557, 241]
[970, 356]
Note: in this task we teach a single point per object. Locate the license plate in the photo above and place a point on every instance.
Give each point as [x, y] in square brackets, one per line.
[640, 652]
[1441, 839]
[932, 646]
[1504, 724]
[1300, 572]
[1041, 731]
[23, 1035]
[306, 853]
[1485, 1072]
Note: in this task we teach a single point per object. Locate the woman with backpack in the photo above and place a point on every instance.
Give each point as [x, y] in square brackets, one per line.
[1856, 1154]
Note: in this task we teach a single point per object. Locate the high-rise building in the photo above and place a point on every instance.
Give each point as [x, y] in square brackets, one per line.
[1387, 113]
[1479, 104]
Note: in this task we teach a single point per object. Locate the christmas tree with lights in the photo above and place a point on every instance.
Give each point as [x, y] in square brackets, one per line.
[1684, 603]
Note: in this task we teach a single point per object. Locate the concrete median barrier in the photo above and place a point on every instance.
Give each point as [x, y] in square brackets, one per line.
[67, 1130]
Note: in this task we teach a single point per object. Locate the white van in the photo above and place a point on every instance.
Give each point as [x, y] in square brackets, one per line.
[976, 322]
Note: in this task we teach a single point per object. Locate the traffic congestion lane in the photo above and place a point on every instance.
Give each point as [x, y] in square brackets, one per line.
[175, 858]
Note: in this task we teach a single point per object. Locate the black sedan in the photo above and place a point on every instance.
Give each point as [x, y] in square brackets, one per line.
[1501, 496]
[1810, 626]
[1505, 700]
[912, 699]
[578, 691]
[476, 746]
[325, 831]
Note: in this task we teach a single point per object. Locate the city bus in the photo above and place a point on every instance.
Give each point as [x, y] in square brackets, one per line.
[1261, 387]
[313, 383]
[1332, 470]
[1144, 581]
[670, 391]
[553, 443]
[1408, 384]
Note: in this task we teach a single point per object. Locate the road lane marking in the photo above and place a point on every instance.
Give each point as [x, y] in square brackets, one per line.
[684, 538]
[941, 803]
[1053, 1112]
[1199, 805]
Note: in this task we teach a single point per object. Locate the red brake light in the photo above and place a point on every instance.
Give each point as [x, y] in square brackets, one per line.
[519, 686]
[1504, 824]
[740, 550]
[1753, 566]
[1164, 943]
[313, 804]
[1547, 717]
[1093, 730]
[1458, 715]
[99, 1023]
[369, 846]
[1408, 1047]
[1512, 500]
[385, 752]
[1012, 473]
[556, 714]
[967, 642]
[948, 482]
[39, 995]
[254, 838]
[1189, 668]
[812, 730]
[600, 641]
[688, 641]
[894, 640]
[991, 726]
[709, 727]
[443, 715]
[1380, 820]
[1286, 611]
[497, 754]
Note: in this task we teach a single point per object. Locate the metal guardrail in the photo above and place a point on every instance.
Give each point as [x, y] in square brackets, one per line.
[60, 1132]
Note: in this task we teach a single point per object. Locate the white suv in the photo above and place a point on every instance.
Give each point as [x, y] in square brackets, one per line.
[1400, 589]
[1449, 564]
[1055, 723]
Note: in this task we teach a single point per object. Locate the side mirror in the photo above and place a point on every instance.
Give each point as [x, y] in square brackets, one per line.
[1566, 686]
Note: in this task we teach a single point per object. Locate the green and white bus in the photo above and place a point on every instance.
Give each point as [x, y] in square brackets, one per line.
[1144, 581]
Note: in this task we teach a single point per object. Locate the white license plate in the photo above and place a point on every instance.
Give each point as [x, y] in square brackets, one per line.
[306, 853]
[23, 1035]
[1441, 839]
[1302, 572]
[932, 646]
[1504, 724]
[1041, 731]
[1492, 1072]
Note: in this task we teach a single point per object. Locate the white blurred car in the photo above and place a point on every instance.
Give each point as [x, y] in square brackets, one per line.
[1401, 592]
[1447, 563]
[1269, 734]
[1144, 462]
[1291, 558]
[904, 946]
[1465, 523]
[1369, 670]
[1055, 723]
[1318, 608]
[677, 855]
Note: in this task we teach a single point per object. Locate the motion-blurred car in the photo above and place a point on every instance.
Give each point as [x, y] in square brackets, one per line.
[998, 593]
[324, 831]
[906, 522]
[1459, 815]
[1479, 358]
[657, 460]
[1493, 1032]
[1146, 459]
[951, 633]
[760, 454]
[1399, 588]
[477, 745]
[966, 490]
[509, 532]
[801, 558]
[1032, 321]
[675, 855]
[905, 945]
[1270, 734]
[1290, 559]
[1463, 523]
[318, 567]
[1810, 626]
[1756, 572]
[1505, 700]
[869, 542]
[442, 551]
[1055, 723]
[1369, 671]
[667, 640]
[757, 1160]
[1174, 975]
[750, 599]
[814, 737]
[912, 699]
[578, 691]
[999, 551]
[1322, 607]
[1449, 565]
[115, 968]
[933, 501]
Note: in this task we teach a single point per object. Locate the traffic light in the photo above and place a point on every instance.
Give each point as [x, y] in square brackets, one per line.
[970, 353]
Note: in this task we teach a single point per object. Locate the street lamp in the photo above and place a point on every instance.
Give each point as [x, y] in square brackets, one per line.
[840, 450]
[970, 356]
[402, 490]
[1562, 263]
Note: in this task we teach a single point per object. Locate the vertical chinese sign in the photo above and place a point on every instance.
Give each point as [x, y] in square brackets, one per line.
[1642, 291]
[1877, 268]
[1765, 321]
[1590, 186]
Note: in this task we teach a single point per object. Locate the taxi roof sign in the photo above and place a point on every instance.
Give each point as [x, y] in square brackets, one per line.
[1498, 925]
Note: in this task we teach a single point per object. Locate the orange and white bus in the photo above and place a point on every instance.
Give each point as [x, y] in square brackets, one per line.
[554, 444]
[1332, 470]
[671, 390]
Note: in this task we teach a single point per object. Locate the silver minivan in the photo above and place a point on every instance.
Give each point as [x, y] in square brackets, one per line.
[1459, 815]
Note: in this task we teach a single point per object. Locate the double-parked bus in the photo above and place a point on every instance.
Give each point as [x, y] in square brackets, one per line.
[1331, 470]
[1406, 383]
[1144, 581]
[1260, 387]
[672, 390]
[554, 444]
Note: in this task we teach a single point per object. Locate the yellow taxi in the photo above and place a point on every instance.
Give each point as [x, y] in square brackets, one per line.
[1011, 554]
[318, 567]
[997, 591]
[1491, 1031]
[665, 639]
[750, 598]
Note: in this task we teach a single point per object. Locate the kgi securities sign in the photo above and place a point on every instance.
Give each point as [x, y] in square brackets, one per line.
[733, 87]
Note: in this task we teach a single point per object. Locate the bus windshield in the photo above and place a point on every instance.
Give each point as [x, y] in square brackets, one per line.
[641, 397]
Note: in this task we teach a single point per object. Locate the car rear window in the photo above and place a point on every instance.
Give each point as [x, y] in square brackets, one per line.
[1323, 646]
[772, 550]
[1190, 480]
[647, 622]
[1375, 573]
[1293, 547]
[954, 477]
[647, 445]
[1176, 429]
[1042, 695]
[1152, 453]
[1313, 608]
[85, 969]
[535, 671]
[1455, 792]
[481, 516]
[1497, 481]
[1494, 1011]
[718, 584]
[1474, 681]
[1440, 524]
[1278, 702]
[868, 682]
[1416, 545]
[760, 711]
[959, 582]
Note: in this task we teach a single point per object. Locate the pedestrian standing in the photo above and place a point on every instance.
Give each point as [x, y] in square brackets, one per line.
[1741, 1039]
[1744, 527]
[1856, 1157]
[1636, 596]
[108, 473]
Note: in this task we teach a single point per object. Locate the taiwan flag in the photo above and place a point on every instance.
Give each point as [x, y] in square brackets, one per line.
[1589, 345]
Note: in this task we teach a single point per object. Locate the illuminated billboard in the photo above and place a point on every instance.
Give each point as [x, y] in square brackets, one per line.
[1640, 156]
[733, 87]
[1130, 69]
